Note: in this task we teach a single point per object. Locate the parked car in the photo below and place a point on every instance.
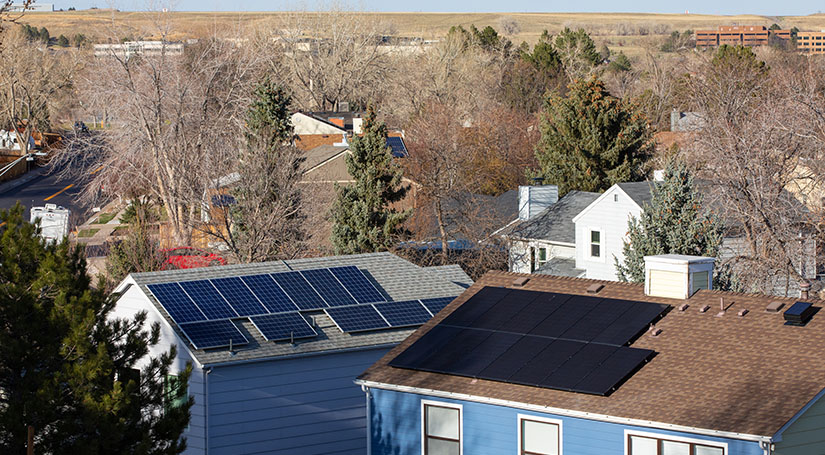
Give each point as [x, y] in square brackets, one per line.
[187, 257]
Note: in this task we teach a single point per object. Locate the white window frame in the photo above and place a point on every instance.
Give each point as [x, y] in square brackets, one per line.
[442, 404]
[589, 244]
[558, 422]
[667, 437]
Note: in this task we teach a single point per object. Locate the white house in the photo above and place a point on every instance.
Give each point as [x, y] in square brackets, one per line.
[9, 141]
[601, 228]
[543, 238]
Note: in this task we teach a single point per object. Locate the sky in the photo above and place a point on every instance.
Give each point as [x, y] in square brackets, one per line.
[761, 7]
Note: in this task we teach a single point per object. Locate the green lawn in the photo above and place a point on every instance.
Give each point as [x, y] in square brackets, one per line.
[105, 218]
[87, 232]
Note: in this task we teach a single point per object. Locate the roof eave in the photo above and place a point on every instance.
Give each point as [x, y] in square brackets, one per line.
[564, 412]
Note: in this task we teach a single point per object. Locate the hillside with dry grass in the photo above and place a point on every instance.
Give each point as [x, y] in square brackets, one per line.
[628, 32]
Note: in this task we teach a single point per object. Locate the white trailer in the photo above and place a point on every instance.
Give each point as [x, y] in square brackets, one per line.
[54, 221]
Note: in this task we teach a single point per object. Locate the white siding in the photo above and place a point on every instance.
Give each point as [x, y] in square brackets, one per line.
[520, 253]
[610, 217]
[134, 301]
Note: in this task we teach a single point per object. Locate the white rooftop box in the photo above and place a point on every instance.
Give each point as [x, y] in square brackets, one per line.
[677, 276]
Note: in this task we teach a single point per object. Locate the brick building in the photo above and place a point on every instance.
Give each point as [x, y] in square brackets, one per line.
[811, 42]
[744, 35]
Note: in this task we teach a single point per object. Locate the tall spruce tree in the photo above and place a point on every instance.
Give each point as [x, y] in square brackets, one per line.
[267, 222]
[673, 223]
[591, 140]
[67, 368]
[362, 215]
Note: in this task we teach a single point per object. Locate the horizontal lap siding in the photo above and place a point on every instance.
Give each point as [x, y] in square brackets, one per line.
[307, 405]
[493, 430]
[807, 434]
[611, 217]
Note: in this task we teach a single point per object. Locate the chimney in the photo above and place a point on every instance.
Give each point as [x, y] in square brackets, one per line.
[804, 289]
[533, 199]
[677, 276]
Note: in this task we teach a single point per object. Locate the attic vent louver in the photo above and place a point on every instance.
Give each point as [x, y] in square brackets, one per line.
[799, 313]
[774, 307]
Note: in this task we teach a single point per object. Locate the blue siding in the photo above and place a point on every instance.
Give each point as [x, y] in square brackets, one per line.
[493, 430]
[306, 405]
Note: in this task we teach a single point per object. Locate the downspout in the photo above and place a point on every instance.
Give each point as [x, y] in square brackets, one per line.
[369, 419]
[206, 372]
[767, 447]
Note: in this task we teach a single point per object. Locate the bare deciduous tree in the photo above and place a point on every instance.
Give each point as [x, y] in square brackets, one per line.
[175, 123]
[333, 56]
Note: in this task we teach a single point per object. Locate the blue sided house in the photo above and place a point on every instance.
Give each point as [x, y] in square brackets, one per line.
[275, 346]
[549, 365]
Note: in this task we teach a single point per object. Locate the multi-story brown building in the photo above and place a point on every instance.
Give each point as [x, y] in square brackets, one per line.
[811, 42]
[744, 35]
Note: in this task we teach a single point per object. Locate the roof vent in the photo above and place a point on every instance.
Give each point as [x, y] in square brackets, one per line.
[520, 281]
[774, 307]
[594, 288]
[799, 313]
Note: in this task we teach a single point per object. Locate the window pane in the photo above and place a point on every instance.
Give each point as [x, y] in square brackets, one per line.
[441, 447]
[643, 446]
[540, 437]
[442, 422]
[675, 448]
[542, 254]
[595, 236]
[595, 250]
[705, 450]
[700, 281]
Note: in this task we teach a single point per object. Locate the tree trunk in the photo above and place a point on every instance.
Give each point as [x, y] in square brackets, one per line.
[439, 213]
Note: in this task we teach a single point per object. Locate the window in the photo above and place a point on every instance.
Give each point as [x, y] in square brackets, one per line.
[539, 436]
[615, 198]
[542, 256]
[651, 445]
[595, 244]
[176, 391]
[442, 429]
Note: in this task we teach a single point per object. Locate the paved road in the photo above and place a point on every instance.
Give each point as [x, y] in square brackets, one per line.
[46, 188]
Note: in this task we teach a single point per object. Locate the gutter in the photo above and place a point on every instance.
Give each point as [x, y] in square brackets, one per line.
[762, 440]
[301, 355]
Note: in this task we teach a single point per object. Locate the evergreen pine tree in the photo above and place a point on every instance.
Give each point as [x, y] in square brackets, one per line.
[362, 217]
[268, 220]
[673, 223]
[591, 140]
[67, 368]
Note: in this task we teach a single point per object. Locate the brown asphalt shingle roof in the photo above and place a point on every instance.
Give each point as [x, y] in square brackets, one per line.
[746, 375]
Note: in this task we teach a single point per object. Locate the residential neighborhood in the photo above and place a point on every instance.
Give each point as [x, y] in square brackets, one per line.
[379, 232]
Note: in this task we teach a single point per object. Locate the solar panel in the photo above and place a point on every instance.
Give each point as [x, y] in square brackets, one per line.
[179, 306]
[328, 287]
[208, 299]
[242, 300]
[283, 326]
[437, 304]
[558, 341]
[269, 293]
[357, 284]
[404, 313]
[356, 318]
[399, 150]
[612, 372]
[297, 288]
[213, 334]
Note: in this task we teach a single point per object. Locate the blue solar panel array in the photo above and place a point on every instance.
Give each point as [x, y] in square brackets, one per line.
[283, 326]
[360, 318]
[399, 149]
[213, 334]
[204, 308]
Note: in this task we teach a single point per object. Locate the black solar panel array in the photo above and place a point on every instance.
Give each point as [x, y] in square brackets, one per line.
[203, 309]
[558, 341]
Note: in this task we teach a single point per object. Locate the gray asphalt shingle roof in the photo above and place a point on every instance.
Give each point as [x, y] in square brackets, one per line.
[555, 223]
[453, 273]
[640, 192]
[397, 278]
